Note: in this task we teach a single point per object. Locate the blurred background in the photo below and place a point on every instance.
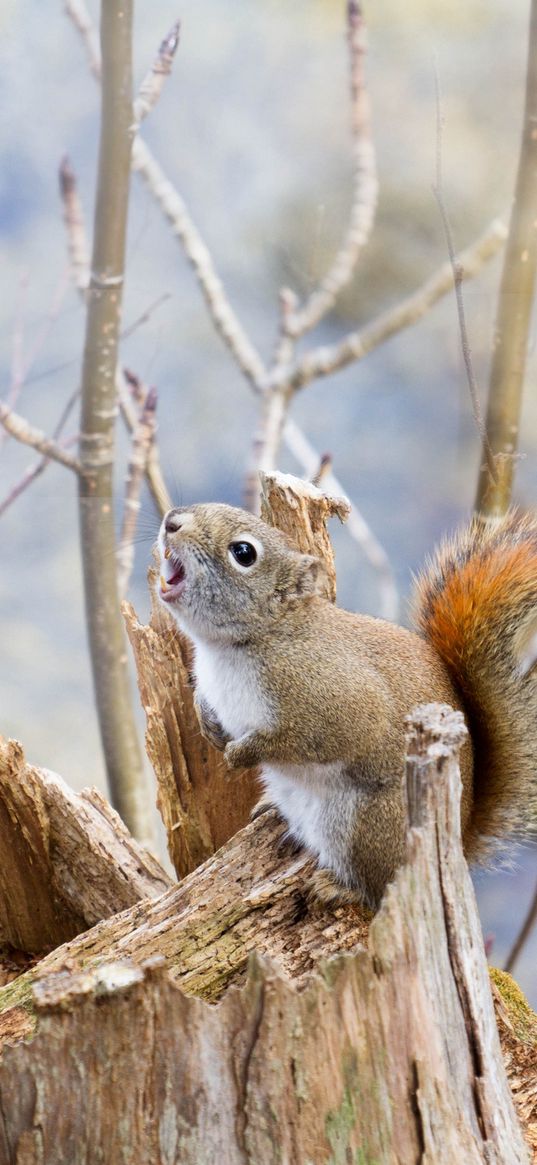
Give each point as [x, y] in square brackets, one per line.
[253, 128]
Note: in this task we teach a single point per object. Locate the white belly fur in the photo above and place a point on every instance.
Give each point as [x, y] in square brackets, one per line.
[226, 681]
[318, 801]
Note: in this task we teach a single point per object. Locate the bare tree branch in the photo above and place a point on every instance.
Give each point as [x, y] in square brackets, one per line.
[153, 471]
[39, 466]
[332, 358]
[222, 314]
[78, 13]
[19, 428]
[365, 188]
[143, 438]
[152, 84]
[514, 311]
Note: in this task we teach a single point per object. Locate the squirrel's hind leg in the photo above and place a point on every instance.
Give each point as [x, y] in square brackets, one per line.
[323, 887]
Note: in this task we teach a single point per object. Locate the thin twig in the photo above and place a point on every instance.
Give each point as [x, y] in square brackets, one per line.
[356, 524]
[143, 439]
[323, 361]
[19, 428]
[153, 82]
[145, 316]
[39, 467]
[365, 188]
[524, 934]
[30, 475]
[74, 222]
[153, 471]
[458, 275]
[78, 13]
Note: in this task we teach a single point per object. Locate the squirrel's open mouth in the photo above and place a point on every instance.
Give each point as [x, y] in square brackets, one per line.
[172, 579]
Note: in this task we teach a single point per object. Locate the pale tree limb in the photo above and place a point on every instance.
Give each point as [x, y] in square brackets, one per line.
[39, 466]
[513, 319]
[29, 476]
[153, 82]
[365, 188]
[19, 428]
[142, 440]
[222, 314]
[324, 361]
[153, 471]
[105, 627]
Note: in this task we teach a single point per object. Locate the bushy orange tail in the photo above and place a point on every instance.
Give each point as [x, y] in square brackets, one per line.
[476, 602]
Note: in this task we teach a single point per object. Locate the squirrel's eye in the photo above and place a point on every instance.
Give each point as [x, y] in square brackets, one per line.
[243, 553]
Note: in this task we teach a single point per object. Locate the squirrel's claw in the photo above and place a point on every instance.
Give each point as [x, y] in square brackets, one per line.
[324, 889]
[211, 727]
[264, 805]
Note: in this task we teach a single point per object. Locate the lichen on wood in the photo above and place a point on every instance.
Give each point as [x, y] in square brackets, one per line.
[309, 1056]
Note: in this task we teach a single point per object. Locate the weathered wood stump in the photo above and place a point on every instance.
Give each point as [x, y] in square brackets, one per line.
[229, 1018]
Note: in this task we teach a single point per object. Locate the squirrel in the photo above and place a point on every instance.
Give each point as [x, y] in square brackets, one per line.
[318, 696]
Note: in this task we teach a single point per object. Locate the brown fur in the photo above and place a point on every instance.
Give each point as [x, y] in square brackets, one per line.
[337, 686]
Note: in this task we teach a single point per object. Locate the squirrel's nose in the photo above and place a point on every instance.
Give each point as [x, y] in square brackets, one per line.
[172, 522]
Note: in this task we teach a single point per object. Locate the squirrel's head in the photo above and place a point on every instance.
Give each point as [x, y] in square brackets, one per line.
[225, 575]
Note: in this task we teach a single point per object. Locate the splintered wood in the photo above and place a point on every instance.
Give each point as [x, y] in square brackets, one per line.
[294, 1066]
[66, 859]
[234, 1019]
[301, 511]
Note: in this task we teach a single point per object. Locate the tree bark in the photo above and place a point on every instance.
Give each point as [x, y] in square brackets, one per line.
[66, 859]
[385, 1055]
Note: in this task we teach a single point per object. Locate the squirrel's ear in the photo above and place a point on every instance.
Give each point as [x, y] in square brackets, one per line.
[310, 577]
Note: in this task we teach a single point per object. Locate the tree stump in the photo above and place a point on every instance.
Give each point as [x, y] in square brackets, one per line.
[229, 1018]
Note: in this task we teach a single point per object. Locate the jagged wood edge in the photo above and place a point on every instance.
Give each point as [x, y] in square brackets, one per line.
[66, 859]
[406, 1027]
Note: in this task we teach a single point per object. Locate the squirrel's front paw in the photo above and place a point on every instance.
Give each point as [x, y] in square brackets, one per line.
[239, 754]
[211, 727]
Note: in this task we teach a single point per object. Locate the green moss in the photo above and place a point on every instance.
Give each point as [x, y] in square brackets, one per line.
[523, 1018]
[18, 994]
